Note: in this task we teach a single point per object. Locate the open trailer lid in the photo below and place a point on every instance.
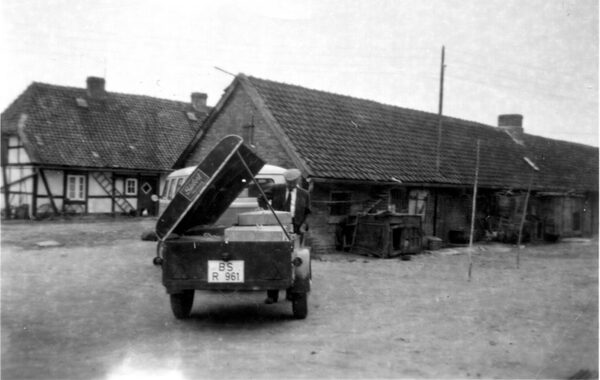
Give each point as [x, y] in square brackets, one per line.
[211, 187]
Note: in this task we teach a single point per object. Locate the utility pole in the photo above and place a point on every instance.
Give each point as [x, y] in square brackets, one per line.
[441, 103]
[473, 210]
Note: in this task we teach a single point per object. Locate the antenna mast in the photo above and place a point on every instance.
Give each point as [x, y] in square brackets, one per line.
[441, 103]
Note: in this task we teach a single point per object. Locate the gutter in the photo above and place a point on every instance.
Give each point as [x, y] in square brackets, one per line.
[95, 168]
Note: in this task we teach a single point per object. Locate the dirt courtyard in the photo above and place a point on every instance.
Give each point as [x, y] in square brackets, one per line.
[94, 308]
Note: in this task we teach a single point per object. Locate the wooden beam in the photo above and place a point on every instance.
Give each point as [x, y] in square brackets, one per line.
[54, 208]
[6, 194]
[35, 194]
[112, 194]
[18, 181]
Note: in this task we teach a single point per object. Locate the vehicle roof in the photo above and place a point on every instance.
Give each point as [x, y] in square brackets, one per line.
[182, 172]
[267, 169]
[272, 169]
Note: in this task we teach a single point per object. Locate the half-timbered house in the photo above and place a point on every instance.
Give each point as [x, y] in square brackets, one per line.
[68, 150]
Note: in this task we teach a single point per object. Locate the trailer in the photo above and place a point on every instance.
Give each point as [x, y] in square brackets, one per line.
[259, 253]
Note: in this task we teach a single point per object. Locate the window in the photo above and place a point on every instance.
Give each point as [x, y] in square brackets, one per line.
[264, 183]
[417, 200]
[76, 187]
[131, 186]
[248, 134]
[398, 200]
[179, 183]
[340, 203]
[171, 194]
[166, 188]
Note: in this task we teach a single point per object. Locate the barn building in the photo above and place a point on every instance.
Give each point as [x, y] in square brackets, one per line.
[359, 157]
[69, 150]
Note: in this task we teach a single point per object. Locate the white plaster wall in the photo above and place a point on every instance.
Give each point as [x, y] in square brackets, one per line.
[55, 182]
[119, 184]
[17, 155]
[95, 188]
[99, 205]
[133, 202]
[44, 204]
[15, 173]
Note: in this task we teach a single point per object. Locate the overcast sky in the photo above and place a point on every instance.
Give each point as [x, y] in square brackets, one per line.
[534, 57]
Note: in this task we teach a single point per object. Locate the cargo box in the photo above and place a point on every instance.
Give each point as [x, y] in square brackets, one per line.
[264, 218]
[255, 233]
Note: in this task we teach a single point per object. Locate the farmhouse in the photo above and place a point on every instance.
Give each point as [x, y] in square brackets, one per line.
[89, 151]
[361, 157]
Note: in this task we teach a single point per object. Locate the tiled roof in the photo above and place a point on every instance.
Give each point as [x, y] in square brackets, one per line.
[341, 137]
[115, 131]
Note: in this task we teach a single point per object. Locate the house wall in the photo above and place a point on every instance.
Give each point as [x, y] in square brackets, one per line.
[33, 196]
[234, 118]
[449, 209]
[323, 223]
[591, 212]
[570, 216]
[368, 198]
[16, 165]
[55, 180]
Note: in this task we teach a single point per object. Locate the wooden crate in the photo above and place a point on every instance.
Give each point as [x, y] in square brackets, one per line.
[388, 234]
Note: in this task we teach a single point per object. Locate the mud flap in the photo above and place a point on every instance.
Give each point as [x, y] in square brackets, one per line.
[302, 272]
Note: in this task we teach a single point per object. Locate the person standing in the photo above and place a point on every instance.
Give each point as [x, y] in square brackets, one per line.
[294, 199]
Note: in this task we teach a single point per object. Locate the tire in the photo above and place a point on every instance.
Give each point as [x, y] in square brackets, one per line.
[181, 303]
[300, 305]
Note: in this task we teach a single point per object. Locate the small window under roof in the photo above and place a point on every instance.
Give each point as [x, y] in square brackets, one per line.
[81, 102]
[192, 116]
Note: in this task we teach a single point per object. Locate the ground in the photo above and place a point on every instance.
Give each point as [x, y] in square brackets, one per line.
[94, 308]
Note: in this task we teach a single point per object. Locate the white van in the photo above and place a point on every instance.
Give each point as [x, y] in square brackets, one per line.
[246, 201]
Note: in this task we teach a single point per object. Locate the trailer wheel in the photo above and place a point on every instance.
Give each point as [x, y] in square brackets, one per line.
[300, 305]
[181, 303]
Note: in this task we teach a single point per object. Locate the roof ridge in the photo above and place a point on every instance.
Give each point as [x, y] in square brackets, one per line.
[392, 106]
[72, 88]
[560, 141]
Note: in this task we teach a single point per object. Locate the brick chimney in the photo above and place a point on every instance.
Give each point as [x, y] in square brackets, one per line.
[95, 87]
[199, 101]
[513, 125]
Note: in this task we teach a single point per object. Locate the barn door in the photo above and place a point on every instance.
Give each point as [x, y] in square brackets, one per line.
[148, 186]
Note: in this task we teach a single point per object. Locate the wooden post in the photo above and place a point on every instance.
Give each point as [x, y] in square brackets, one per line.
[474, 206]
[112, 194]
[34, 194]
[6, 193]
[523, 220]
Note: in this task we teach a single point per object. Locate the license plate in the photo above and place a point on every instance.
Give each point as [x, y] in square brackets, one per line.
[226, 271]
